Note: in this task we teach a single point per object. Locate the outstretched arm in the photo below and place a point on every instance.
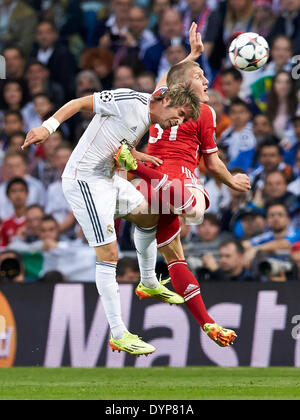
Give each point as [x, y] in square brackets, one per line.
[40, 134]
[196, 50]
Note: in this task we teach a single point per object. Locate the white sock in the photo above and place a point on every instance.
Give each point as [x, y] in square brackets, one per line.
[146, 247]
[108, 289]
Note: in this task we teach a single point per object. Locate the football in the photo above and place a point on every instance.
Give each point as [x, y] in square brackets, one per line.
[249, 51]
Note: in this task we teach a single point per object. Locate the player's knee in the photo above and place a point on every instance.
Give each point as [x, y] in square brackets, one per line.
[108, 253]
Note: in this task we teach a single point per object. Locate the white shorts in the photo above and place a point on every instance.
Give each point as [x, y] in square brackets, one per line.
[96, 204]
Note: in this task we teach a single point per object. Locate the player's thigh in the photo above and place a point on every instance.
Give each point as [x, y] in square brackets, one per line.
[173, 251]
[108, 252]
[93, 205]
[131, 204]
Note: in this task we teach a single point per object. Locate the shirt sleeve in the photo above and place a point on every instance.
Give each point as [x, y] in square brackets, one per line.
[105, 104]
[208, 130]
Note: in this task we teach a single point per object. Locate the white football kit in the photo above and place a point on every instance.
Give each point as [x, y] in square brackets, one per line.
[95, 193]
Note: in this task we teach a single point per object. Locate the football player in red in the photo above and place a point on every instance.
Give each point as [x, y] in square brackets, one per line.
[176, 153]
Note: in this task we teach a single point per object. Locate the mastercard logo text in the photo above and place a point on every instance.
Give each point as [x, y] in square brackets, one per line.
[8, 334]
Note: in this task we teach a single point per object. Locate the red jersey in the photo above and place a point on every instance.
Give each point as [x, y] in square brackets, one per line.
[10, 228]
[182, 145]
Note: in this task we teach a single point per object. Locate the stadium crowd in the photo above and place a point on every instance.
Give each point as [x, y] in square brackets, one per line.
[56, 50]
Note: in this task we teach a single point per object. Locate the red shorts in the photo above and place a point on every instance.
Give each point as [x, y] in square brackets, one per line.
[168, 226]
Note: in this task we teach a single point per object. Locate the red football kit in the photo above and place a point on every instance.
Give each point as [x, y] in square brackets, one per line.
[10, 228]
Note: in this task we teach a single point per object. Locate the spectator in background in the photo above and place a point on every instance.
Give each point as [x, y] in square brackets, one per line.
[38, 80]
[100, 60]
[275, 188]
[17, 194]
[15, 165]
[230, 17]
[294, 145]
[231, 266]
[127, 270]
[34, 216]
[146, 82]
[11, 267]
[18, 25]
[197, 11]
[13, 121]
[15, 63]
[124, 77]
[137, 39]
[173, 54]
[87, 79]
[238, 140]
[158, 7]
[223, 121]
[281, 55]
[294, 187]
[16, 140]
[282, 104]
[170, 27]
[262, 128]
[263, 17]
[279, 236]
[208, 237]
[56, 203]
[50, 51]
[14, 98]
[288, 23]
[270, 158]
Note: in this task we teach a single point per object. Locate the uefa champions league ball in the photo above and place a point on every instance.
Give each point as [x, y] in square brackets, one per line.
[249, 51]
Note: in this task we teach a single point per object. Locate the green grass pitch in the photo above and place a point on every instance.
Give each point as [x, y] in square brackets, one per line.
[165, 383]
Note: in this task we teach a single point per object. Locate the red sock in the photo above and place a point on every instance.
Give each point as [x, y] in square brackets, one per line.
[186, 285]
[171, 192]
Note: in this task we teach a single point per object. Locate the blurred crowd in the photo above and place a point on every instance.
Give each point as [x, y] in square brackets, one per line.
[56, 50]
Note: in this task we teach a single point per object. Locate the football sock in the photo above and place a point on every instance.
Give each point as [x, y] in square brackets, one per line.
[108, 289]
[146, 247]
[186, 285]
[171, 192]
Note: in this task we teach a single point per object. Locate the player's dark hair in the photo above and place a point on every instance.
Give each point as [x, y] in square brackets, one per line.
[233, 72]
[179, 73]
[14, 181]
[124, 263]
[212, 219]
[180, 95]
[276, 171]
[239, 102]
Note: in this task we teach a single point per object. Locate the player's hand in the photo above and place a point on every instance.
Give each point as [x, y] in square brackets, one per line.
[36, 136]
[241, 182]
[143, 157]
[196, 43]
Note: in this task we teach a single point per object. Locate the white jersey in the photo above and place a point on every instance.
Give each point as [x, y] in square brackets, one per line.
[121, 114]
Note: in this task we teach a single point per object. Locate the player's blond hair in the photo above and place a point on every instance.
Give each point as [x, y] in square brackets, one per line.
[182, 95]
[180, 73]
